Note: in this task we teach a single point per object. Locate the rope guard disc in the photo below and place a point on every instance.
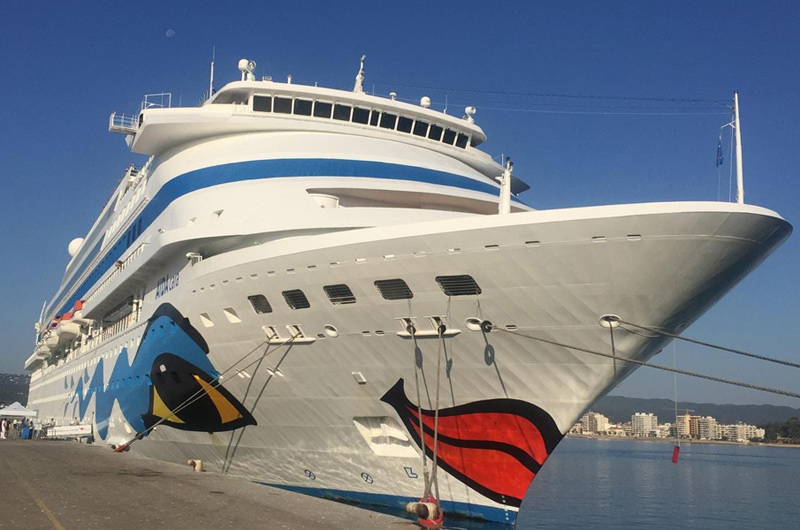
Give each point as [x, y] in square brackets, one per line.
[609, 321]
[486, 326]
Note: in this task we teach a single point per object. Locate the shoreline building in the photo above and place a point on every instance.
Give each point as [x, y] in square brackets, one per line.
[644, 424]
[594, 422]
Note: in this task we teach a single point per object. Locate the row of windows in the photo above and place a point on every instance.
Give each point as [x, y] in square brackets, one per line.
[376, 118]
[394, 289]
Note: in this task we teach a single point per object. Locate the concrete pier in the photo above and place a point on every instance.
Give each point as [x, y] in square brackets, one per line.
[65, 485]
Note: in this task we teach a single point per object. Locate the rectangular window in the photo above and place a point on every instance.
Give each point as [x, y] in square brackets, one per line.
[420, 128]
[302, 107]
[462, 140]
[435, 132]
[323, 109]
[395, 289]
[296, 299]
[461, 285]
[388, 120]
[449, 136]
[360, 115]
[342, 112]
[262, 103]
[283, 105]
[404, 124]
[374, 117]
[260, 304]
[340, 294]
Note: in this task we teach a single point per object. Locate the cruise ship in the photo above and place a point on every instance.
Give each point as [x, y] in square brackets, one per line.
[340, 294]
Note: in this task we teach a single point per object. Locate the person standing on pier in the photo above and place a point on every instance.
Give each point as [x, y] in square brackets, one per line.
[3, 428]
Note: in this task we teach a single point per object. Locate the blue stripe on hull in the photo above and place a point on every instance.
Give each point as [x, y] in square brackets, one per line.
[264, 169]
[395, 505]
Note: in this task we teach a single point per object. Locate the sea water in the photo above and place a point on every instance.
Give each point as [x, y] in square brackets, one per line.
[589, 483]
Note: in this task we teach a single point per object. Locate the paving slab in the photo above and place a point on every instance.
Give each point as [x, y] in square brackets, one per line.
[66, 485]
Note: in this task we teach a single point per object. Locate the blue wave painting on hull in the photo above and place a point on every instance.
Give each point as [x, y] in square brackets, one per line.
[170, 366]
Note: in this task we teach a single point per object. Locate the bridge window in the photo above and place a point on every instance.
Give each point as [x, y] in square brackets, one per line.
[388, 121]
[302, 107]
[404, 124]
[360, 115]
[374, 117]
[342, 112]
[323, 109]
[449, 136]
[421, 128]
[462, 140]
[435, 132]
[262, 103]
[283, 105]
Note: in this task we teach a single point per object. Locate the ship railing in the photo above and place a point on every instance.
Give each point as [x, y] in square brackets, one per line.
[117, 327]
[119, 266]
[109, 332]
[123, 123]
[162, 100]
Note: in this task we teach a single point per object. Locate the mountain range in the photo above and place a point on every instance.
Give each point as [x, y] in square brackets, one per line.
[619, 409]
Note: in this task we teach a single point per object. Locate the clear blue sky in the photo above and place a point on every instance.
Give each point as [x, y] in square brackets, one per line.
[65, 66]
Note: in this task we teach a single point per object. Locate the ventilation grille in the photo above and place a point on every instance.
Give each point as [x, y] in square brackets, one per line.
[296, 299]
[394, 289]
[260, 304]
[340, 294]
[462, 285]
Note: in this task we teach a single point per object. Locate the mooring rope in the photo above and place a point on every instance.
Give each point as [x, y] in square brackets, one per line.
[434, 476]
[417, 367]
[651, 365]
[710, 345]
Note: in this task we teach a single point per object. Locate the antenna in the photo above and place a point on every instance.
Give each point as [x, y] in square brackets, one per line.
[504, 205]
[737, 127]
[211, 80]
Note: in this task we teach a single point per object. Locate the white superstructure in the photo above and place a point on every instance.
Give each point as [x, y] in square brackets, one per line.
[325, 250]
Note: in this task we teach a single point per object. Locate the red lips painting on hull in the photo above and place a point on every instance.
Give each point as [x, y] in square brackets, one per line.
[495, 446]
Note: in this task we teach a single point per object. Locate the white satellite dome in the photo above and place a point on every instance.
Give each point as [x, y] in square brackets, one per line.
[74, 246]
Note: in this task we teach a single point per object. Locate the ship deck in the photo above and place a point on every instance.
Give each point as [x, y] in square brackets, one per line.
[48, 484]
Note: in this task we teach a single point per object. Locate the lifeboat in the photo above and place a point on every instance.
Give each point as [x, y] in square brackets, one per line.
[51, 340]
[67, 330]
[78, 318]
[42, 350]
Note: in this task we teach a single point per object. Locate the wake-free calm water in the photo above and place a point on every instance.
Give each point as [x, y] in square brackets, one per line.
[621, 484]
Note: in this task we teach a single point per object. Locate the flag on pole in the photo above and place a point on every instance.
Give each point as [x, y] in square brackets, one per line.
[719, 153]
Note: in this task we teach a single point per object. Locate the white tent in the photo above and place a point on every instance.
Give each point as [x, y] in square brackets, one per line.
[15, 410]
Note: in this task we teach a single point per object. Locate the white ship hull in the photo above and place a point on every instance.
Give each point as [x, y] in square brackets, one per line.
[551, 274]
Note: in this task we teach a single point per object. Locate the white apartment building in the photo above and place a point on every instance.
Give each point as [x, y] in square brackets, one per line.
[644, 424]
[741, 432]
[594, 422]
[707, 428]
